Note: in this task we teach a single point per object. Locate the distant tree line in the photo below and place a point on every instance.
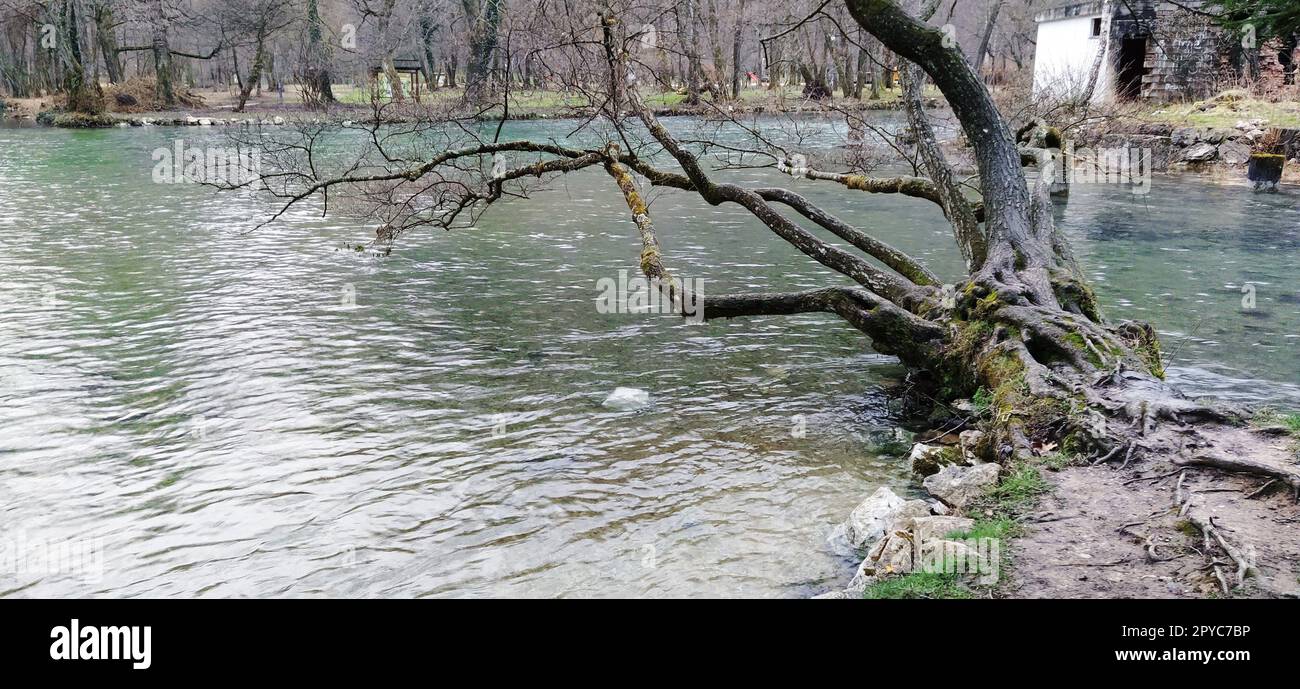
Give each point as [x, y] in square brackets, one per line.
[700, 48]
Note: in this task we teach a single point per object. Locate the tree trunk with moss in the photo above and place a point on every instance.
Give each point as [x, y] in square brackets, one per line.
[316, 77]
[1024, 325]
[82, 93]
[255, 72]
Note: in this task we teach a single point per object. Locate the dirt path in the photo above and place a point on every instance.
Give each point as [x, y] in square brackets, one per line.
[1106, 532]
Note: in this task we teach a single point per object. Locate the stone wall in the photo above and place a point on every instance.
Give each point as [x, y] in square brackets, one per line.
[1188, 57]
[1182, 49]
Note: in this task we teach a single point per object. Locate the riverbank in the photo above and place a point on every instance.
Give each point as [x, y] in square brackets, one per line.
[215, 107]
[1214, 137]
[1065, 526]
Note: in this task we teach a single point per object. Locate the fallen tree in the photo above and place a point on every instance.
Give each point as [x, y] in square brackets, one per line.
[1024, 324]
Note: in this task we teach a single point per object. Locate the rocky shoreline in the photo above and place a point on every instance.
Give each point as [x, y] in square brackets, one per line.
[903, 537]
[1199, 149]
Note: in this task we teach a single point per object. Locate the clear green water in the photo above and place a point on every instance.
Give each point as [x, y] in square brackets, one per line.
[203, 401]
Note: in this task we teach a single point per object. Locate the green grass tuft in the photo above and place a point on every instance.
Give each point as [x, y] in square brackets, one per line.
[1272, 417]
[1000, 528]
[918, 585]
[1016, 492]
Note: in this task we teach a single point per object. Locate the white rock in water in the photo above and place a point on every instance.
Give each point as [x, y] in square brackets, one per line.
[205, 122]
[627, 399]
[278, 120]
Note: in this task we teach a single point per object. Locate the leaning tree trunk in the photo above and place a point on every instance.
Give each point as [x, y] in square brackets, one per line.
[1024, 324]
[255, 71]
[987, 35]
[1099, 60]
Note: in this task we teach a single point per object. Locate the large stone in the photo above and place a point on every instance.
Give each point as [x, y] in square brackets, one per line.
[1184, 136]
[902, 518]
[947, 557]
[1200, 153]
[1155, 129]
[957, 485]
[970, 441]
[866, 524]
[891, 556]
[1156, 152]
[938, 528]
[1234, 153]
[929, 459]
[1219, 135]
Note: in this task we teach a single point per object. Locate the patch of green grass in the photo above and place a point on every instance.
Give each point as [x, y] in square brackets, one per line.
[1227, 112]
[1000, 528]
[1017, 492]
[918, 585]
[982, 400]
[1272, 417]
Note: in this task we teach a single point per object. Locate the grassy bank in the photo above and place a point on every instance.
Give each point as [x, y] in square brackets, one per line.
[1225, 110]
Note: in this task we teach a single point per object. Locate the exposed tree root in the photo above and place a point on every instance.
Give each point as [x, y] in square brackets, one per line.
[1243, 559]
[1289, 475]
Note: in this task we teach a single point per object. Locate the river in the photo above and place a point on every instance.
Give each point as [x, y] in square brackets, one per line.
[230, 413]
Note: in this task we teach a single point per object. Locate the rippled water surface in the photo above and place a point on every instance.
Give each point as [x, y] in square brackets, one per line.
[209, 405]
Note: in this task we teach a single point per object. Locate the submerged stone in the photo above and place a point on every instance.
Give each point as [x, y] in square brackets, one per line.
[627, 399]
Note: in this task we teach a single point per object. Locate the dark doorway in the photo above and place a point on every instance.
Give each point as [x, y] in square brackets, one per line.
[1286, 58]
[1129, 68]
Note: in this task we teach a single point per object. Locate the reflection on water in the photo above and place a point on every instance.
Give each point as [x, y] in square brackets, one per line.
[243, 414]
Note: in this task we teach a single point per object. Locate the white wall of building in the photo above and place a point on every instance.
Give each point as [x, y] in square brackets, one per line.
[1064, 57]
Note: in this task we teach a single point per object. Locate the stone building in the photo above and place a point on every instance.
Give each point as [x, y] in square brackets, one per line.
[1152, 49]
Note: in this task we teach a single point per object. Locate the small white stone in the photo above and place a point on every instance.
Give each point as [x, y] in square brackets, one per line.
[627, 399]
